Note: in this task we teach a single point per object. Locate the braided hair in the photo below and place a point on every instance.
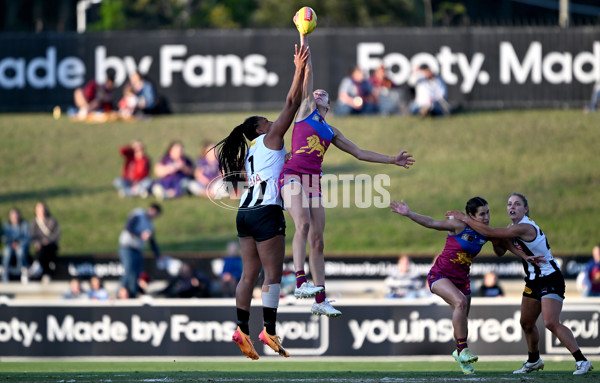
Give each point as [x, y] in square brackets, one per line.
[231, 151]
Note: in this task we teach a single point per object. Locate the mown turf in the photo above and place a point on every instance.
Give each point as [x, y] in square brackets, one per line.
[282, 371]
[549, 155]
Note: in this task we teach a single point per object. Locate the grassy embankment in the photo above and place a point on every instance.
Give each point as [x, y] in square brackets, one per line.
[549, 155]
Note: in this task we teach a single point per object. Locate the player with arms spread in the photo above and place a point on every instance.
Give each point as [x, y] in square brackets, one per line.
[300, 185]
[449, 276]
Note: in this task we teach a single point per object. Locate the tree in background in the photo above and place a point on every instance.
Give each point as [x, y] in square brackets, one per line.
[342, 13]
[59, 15]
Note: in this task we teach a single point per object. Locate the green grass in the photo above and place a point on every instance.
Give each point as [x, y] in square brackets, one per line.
[549, 155]
[359, 371]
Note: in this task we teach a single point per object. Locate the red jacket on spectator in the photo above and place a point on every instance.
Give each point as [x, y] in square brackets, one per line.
[95, 91]
[135, 168]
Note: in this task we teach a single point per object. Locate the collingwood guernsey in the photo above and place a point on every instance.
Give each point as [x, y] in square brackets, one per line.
[539, 246]
[263, 166]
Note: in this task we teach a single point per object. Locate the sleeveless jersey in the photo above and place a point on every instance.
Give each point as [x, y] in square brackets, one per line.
[310, 139]
[263, 166]
[539, 246]
[455, 260]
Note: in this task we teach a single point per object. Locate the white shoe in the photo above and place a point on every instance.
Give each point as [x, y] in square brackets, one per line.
[158, 191]
[325, 308]
[35, 270]
[530, 367]
[583, 367]
[24, 275]
[307, 290]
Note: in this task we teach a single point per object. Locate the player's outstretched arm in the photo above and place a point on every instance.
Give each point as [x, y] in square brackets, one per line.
[401, 159]
[274, 138]
[535, 260]
[521, 230]
[308, 99]
[426, 221]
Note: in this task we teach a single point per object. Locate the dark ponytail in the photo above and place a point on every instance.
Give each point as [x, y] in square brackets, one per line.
[231, 151]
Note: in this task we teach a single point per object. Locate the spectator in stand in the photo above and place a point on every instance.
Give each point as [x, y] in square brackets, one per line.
[143, 283]
[288, 282]
[122, 292]
[16, 245]
[430, 93]
[592, 274]
[355, 95]
[188, 283]
[144, 92]
[95, 97]
[174, 172]
[135, 178]
[387, 97]
[128, 103]
[138, 230]
[490, 286]
[75, 291]
[207, 169]
[404, 282]
[97, 291]
[232, 270]
[45, 235]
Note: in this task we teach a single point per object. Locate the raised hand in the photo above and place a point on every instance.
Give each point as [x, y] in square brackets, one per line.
[536, 260]
[301, 55]
[404, 159]
[455, 214]
[400, 207]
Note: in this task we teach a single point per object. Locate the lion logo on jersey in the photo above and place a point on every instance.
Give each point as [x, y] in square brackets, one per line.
[313, 144]
[463, 259]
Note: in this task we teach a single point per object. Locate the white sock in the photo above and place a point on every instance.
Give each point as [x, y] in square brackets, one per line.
[270, 295]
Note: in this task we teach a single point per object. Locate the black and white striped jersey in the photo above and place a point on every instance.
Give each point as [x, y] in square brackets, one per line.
[263, 167]
[539, 246]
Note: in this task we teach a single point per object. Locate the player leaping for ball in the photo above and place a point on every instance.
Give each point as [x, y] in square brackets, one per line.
[260, 222]
[300, 185]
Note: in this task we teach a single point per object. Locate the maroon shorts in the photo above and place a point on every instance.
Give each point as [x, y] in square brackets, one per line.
[464, 288]
[310, 183]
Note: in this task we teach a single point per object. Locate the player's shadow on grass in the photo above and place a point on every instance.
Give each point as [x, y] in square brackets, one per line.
[36, 195]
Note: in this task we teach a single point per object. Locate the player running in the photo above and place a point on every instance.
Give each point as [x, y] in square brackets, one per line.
[449, 276]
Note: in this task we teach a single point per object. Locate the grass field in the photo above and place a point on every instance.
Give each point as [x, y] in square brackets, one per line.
[359, 371]
[549, 155]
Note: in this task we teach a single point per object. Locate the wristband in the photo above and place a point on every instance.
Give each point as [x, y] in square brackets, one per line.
[392, 159]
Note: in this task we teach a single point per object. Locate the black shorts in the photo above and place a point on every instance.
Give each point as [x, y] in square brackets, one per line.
[260, 223]
[553, 284]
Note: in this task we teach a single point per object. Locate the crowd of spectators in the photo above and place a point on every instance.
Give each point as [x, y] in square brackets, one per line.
[19, 236]
[175, 175]
[424, 95]
[96, 101]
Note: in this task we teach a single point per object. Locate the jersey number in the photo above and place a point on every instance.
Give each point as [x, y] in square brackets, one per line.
[251, 160]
